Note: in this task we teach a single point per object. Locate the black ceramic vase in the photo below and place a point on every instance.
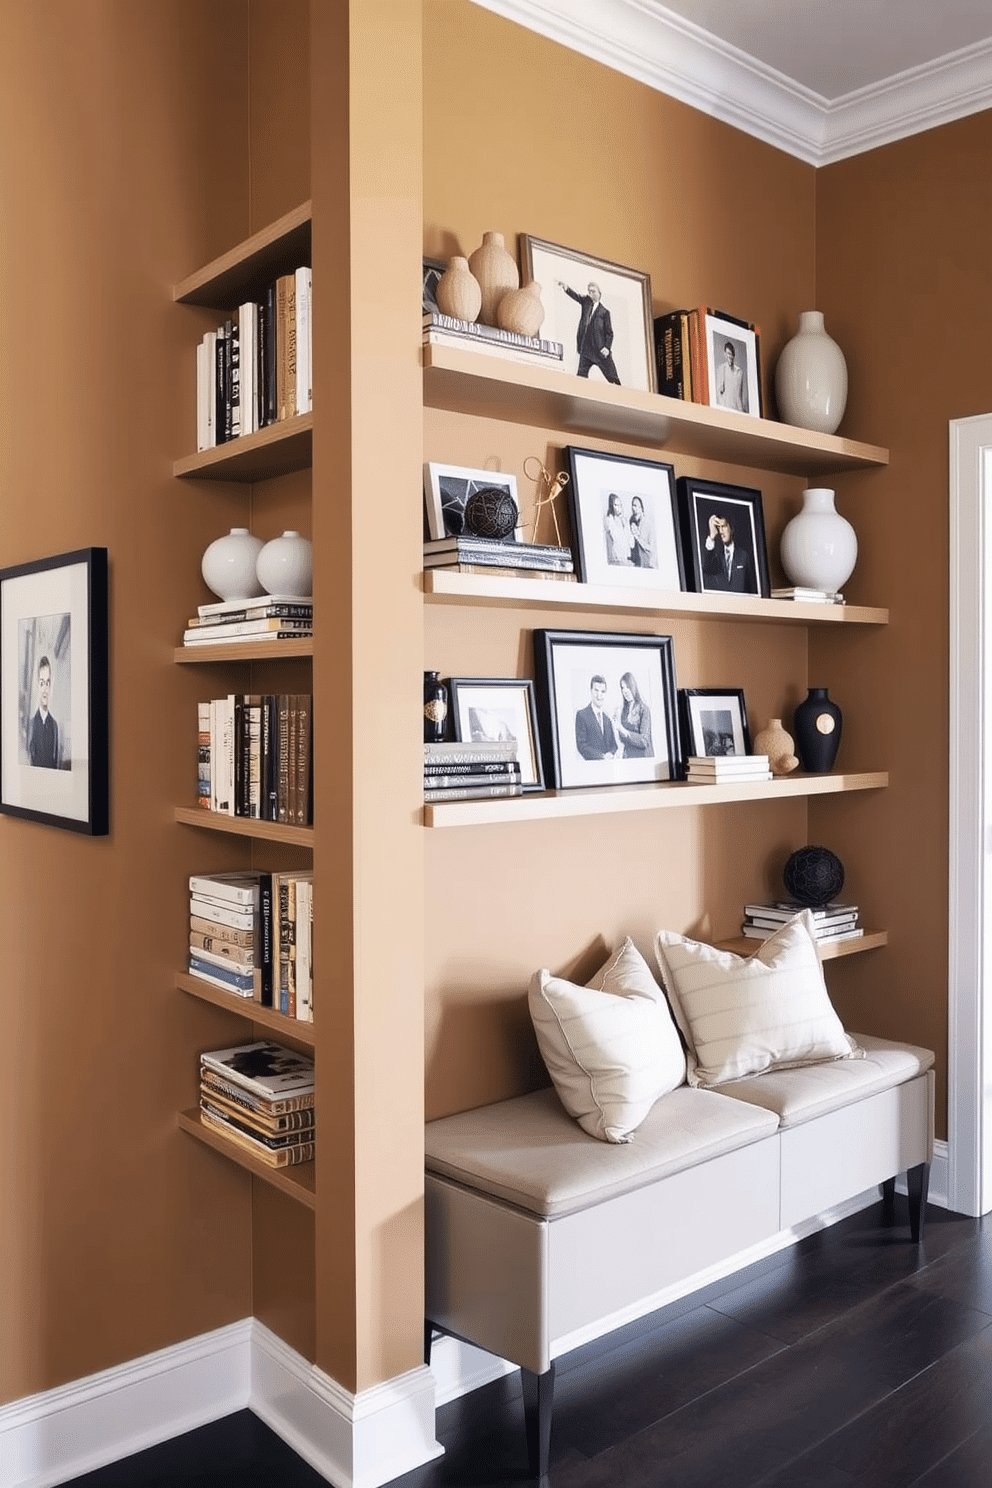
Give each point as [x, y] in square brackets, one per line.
[435, 708]
[816, 726]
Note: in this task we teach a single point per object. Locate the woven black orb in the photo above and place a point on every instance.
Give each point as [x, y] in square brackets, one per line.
[490, 512]
[813, 876]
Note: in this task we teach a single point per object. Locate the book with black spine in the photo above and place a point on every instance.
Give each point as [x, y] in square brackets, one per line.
[475, 767]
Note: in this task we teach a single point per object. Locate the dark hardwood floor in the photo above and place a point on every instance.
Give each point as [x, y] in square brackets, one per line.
[854, 1358]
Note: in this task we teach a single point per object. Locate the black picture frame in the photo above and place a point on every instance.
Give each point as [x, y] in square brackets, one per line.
[567, 664]
[498, 708]
[740, 506]
[54, 718]
[642, 551]
[714, 721]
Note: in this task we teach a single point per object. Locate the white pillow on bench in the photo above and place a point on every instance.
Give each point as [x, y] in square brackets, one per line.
[610, 1047]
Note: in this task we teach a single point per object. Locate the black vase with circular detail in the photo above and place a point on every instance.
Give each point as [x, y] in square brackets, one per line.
[816, 726]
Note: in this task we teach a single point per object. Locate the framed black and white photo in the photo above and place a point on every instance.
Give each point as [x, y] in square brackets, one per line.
[600, 311]
[607, 707]
[722, 530]
[433, 268]
[714, 720]
[448, 493]
[54, 763]
[732, 363]
[624, 520]
[494, 709]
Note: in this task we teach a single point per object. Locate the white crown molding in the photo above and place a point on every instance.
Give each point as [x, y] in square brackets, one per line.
[646, 41]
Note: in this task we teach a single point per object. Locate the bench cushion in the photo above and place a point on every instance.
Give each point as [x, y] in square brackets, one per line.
[799, 1095]
[529, 1152]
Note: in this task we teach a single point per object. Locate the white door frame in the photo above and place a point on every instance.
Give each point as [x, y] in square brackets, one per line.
[969, 1058]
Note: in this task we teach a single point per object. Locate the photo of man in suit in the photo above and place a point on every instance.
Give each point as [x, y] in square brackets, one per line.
[43, 742]
[727, 564]
[594, 336]
[595, 736]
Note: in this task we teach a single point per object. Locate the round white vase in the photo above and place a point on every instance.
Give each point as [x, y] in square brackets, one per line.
[819, 547]
[811, 377]
[228, 565]
[285, 566]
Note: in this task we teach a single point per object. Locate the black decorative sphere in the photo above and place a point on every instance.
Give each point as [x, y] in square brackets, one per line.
[813, 876]
[490, 512]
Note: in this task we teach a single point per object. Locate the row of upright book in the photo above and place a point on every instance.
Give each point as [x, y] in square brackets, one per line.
[831, 922]
[471, 770]
[255, 756]
[260, 1096]
[682, 356]
[252, 935]
[255, 368]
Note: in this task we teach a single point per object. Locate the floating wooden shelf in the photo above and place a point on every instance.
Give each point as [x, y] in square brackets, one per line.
[243, 826]
[606, 801]
[245, 1007]
[275, 450]
[277, 249]
[247, 650]
[829, 950]
[298, 1182]
[545, 397]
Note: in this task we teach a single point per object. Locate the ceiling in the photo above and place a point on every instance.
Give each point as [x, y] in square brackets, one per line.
[821, 80]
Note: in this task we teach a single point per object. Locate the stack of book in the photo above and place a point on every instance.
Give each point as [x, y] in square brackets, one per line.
[260, 1096]
[681, 354]
[830, 921]
[447, 330]
[723, 769]
[254, 369]
[484, 555]
[471, 770]
[255, 756]
[252, 935]
[272, 617]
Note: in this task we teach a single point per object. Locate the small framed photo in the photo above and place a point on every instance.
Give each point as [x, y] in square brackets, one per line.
[54, 722]
[625, 520]
[493, 709]
[723, 537]
[714, 720]
[433, 269]
[448, 490]
[599, 311]
[606, 707]
[732, 363]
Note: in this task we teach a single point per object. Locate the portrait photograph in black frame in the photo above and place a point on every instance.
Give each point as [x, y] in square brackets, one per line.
[624, 520]
[607, 707]
[495, 709]
[723, 537]
[714, 721]
[54, 721]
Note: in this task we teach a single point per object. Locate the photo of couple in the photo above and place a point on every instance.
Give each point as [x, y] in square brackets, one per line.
[628, 533]
[617, 727]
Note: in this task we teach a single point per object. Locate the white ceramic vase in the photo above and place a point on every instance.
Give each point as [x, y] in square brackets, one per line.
[811, 377]
[819, 547]
[285, 566]
[228, 565]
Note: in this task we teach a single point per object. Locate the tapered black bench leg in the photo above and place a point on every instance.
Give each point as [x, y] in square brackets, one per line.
[918, 1185]
[539, 1390]
[889, 1192]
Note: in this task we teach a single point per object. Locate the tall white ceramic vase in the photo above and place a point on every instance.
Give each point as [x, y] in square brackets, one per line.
[811, 377]
[819, 547]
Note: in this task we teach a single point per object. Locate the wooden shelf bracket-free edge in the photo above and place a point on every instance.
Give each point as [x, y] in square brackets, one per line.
[298, 1182]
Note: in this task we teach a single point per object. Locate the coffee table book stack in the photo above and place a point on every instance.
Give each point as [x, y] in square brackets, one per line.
[719, 769]
[830, 921]
[520, 560]
[261, 1097]
[471, 770]
[271, 617]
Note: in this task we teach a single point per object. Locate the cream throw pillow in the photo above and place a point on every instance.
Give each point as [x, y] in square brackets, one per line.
[741, 1016]
[611, 1047]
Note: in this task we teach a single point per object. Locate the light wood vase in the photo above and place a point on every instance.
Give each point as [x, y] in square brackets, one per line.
[778, 744]
[496, 272]
[521, 310]
[458, 291]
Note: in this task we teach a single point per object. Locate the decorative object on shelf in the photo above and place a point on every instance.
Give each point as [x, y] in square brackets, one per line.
[458, 292]
[521, 310]
[54, 751]
[817, 724]
[285, 565]
[722, 531]
[448, 490]
[549, 488]
[228, 565]
[714, 721]
[491, 710]
[778, 744]
[600, 311]
[496, 273]
[819, 547]
[811, 377]
[731, 372]
[435, 708]
[625, 520]
[491, 512]
[813, 876]
[606, 707]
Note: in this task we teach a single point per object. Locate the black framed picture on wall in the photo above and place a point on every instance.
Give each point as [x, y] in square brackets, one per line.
[723, 537]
